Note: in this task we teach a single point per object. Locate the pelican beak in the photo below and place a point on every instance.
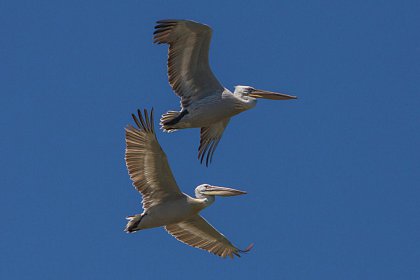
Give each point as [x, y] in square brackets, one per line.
[221, 191]
[257, 93]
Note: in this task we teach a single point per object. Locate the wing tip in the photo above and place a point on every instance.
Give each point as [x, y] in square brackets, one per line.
[247, 249]
[239, 251]
[164, 29]
[164, 21]
[206, 150]
[144, 121]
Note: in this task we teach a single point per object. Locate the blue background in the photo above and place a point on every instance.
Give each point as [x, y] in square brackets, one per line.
[333, 177]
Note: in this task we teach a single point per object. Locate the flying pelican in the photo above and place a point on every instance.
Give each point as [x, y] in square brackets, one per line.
[205, 103]
[163, 202]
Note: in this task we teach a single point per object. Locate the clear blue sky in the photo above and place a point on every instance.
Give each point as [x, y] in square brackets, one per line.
[333, 177]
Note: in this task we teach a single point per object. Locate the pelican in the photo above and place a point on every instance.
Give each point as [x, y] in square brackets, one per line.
[163, 203]
[205, 103]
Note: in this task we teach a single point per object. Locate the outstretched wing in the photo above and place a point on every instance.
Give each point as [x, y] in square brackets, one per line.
[189, 72]
[209, 138]
[198, 233]
[147, 164]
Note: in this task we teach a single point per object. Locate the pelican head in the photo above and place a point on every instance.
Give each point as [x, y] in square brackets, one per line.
[245, 91]
[206, 190]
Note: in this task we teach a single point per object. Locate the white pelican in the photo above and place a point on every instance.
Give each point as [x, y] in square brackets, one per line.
[163, 202]
[205, 103]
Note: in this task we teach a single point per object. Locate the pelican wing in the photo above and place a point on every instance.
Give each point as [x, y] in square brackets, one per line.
[147, 164]
[209, 139]
[189, 72]
[198, 233]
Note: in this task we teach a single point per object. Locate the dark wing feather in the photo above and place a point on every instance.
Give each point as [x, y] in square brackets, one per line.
[198, 233]
[209, 139]
[189, 71]
[147, 164]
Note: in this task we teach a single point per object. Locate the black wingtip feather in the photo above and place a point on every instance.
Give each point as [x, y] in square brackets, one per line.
[152, 121]
[164, 21]
[247, 249]
[135, 120]
[145, 122]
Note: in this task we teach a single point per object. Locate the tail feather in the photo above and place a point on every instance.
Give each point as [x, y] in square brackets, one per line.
[170, 119]
[133, 222]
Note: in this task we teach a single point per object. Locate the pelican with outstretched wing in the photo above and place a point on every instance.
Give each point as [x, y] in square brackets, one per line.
[163, 203]
[205, 103]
